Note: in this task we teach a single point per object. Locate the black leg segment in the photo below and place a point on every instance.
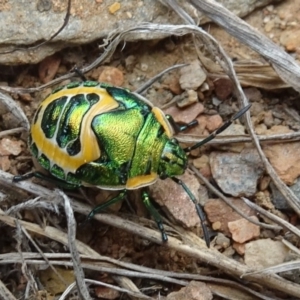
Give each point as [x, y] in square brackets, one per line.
[199, 209]
[219, 130]
[101, 207]
[156, 216]
[80, 74]
[178, 127]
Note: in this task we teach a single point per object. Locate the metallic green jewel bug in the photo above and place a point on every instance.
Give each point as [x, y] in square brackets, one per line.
[94, 134]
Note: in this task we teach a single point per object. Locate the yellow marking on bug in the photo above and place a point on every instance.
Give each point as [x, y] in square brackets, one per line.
[89, 146]
[69, 92]
[141, 181]
[161, 118]
[105, 187]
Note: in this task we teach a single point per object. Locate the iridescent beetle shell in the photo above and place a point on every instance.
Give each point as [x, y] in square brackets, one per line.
[90, 133]
[94, 134]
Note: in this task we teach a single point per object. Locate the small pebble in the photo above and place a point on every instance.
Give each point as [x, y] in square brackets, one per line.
[242, 230]
[192, 98]
[192, 76]
[222, 240]
[114, 7]
[144, 67]
[223, 88]
[112, 75]
[265, 253]
[8, 147]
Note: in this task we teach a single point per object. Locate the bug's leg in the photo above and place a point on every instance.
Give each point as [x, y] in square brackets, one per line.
[178, 127]
[79, 73]
[18, 178]
[56, 181]
[218, 130]
[101, 207]
[199, 209]
[155, 215]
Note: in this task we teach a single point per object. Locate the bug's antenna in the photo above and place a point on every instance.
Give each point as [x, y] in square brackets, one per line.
[199, 209]
[219, 130]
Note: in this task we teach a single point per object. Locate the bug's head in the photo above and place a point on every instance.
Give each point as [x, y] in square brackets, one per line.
[173, 160]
